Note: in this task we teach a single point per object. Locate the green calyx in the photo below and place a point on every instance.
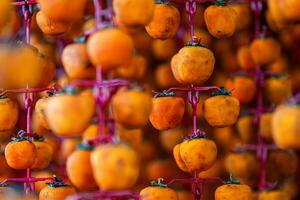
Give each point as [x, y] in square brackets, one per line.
[68, 90]
[232, 180]
[194, 44]
[80, 39]
[137, 88]
[220, 3]
[158, 183]
[57, 182]
[164, 94]
[276, 76]
[197, 135]
[19, 137]
[84, 146]
[243, 74]
[3, 97]
[3, 185]
[222, 91]
[39, 138]
[162, 2]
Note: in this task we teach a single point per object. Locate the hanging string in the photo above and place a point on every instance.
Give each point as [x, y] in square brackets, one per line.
[191, 8]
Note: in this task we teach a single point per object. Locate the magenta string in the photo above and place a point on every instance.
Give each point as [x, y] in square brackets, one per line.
[98, 8]
[29, 90]
[193, 88]
[191, 8]
[23, 180]
[197, 1]
[193, 99]
[197, 180]
[21, 3]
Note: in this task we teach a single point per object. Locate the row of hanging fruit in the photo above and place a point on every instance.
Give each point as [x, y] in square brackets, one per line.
[144, 99]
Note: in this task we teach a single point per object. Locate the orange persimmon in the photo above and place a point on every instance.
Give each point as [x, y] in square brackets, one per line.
[158, 191]
[278, 88]
[57, 190]
[285, 126]
[244, 58]
[193, 64]
[44, 153]
[167, 111]
[135, 70]
[20, 153]
[133, 13]
[62, 10]
[132, 108]
[195, 154]
[165, 21]
[110, 48]
[79, 169]
[60, 113]
[265, 50]
[9, 113]
[111, 162]
[50, 27]
[243, 87]
[164, 49]
[220, 20]
[76, 62]
[221, 109]
[164, 77]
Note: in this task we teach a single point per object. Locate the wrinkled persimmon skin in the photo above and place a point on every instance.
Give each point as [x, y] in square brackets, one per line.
[220, 20]
[233, 192]
[196, 154]
[285, 126]
[20, 155]
[9, 114]
[79, 170]
[111, 162]
[76, 62]
[132, 108]
[50, 27]
[265, 50]
[133, 13]
[221, 110]
[110, 48]
[242, 87]
[57, 193]
[44, 154]
[193, 65]
[158, 193]
[167, 112]
[165, 22]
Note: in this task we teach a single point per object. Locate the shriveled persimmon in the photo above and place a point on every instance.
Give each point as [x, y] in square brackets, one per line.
[167, 111]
